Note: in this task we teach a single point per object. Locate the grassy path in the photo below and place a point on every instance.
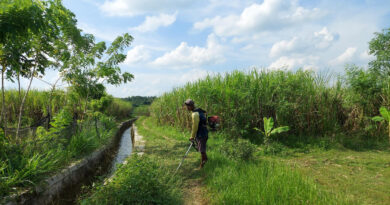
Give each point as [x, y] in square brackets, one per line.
[168, 147]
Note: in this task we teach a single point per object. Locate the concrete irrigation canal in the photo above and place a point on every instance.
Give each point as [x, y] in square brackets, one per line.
[64, 187]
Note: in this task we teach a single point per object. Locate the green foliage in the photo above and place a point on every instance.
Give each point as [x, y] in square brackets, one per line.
[301, 99]
[304, 100]
[140, 181]
[379, 47]
[238, 149]
[385, 116]
[36, 105]
[140, 100]
[274, 148]
[142, 110]
[269, 129]
[31, 160]
[120, 109]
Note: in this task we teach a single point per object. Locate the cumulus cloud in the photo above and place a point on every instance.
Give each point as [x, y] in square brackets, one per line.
[152, 23]
[365, 56]
[270, 15]
[345, 57]
[107, 35]
[137, 55]
[289, 63]
[155, 84]
[185, 56]
[139, 7]
[297, 45]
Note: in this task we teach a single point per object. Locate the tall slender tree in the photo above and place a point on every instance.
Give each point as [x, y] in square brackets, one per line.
[35, 35]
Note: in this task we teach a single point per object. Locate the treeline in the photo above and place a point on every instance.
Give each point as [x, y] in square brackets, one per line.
[307, 102]
[140, 100]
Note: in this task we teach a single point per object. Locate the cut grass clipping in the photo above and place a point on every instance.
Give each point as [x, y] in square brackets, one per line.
[140, 181]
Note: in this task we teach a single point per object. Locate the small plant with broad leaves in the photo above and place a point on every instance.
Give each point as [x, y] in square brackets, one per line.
[269, 130]
[385, 117]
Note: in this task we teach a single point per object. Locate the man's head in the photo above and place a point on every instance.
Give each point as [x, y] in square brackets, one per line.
[190, 104]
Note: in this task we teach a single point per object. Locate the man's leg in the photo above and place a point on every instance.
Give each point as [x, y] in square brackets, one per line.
[202, 150]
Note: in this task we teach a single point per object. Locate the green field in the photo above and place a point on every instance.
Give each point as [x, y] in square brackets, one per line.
[334, 176]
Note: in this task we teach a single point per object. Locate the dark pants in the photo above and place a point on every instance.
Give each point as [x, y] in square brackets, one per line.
[201, 144]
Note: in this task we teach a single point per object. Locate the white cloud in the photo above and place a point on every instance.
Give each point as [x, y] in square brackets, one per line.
[137, 55]
[302, 45]
[283, 46]
[155, 84]
[365, 56]
[107, 35]
[185, 56]
[289, 63]
[345, 57]
[270, 15]
[152, 23]
[324, 38]
[138, 7]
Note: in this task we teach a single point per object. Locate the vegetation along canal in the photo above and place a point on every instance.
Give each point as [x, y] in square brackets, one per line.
[124, 150]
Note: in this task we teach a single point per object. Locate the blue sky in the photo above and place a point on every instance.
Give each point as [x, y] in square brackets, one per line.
[177, 41]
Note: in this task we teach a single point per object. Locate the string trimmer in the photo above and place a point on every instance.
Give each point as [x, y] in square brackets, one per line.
[193, 144]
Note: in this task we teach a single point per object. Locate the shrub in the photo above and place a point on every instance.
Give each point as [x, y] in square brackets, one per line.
[238, 149]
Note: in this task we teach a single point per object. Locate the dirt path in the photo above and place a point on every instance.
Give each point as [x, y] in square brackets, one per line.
[173, 150]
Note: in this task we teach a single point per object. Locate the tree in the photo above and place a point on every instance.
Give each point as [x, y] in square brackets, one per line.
[380, 48]
[88, 73]
[35, 35]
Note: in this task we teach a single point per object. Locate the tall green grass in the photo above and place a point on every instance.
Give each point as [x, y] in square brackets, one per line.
[36, 106]
[303, 100]
[120, 108]
[299, 99]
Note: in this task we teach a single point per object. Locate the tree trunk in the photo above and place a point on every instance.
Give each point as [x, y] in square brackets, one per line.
[3, 102]
[19, 88]
[49, 106]
[96, 127]
[22, 104]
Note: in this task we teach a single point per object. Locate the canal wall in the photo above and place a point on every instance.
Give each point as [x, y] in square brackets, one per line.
[67, 183]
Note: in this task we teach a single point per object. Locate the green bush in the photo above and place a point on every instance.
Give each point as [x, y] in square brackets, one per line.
[238, 149]
[140, 181]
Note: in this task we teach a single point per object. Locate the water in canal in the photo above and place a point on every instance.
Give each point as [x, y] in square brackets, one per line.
[125, 149]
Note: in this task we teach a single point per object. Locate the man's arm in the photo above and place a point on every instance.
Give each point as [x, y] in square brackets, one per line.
[195, 124]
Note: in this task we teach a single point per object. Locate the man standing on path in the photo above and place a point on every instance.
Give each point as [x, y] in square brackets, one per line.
[199, 129]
